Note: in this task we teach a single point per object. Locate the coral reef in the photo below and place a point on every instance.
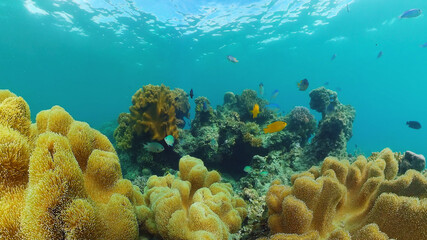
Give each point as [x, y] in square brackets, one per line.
[60, 179]
[194, 205]
[321, 98]
[256, 224]
[156, 112]
[301, 124]
[334, 129]
[363, 200]
[153, 113]
[228, 137]
[182, 106]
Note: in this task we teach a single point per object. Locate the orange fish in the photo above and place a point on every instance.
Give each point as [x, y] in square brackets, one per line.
[275, 127]
[255, 111]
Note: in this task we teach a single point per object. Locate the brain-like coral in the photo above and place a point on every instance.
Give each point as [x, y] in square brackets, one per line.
[61, 179]
[363, 200]
[195, 205]
[301, 122]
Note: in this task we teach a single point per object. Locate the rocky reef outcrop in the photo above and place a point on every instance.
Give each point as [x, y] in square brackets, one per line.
[335, 128]
[228, 136]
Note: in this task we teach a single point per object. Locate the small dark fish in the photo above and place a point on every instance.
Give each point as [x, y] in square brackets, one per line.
[205, 107]
[348, 9]
[232, 59]
[333, 57]
[413, 124]
[326, 83]
[191, 93]
[411, 13]
[303, 84]
[380, 54]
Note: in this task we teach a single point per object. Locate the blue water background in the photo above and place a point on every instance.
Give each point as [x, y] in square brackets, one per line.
[90, 56]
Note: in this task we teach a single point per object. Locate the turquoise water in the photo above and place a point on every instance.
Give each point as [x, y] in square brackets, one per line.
[90, 56]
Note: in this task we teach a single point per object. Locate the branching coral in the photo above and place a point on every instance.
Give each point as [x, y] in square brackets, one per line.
[194, 205]
[61, 179]
[358, 201]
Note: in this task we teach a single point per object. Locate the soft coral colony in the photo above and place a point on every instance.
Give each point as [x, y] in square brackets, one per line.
[61, 179]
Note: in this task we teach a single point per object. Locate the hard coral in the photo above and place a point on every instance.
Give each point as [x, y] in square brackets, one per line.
[320, 98]
[334, 129]
[358, 201]
[194, 205]
[182, 106]
[301, 122]
[123, 133]
[61, 179]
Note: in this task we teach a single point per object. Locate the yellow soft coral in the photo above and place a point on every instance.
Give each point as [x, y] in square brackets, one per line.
[153, 112]
[15, 113]
[5, 94]
[156, 112]
[61, 179]
[363, 200]
[56, 120]
[193, 206]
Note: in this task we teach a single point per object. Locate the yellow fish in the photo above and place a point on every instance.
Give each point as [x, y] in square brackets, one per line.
[275, 127]
[255, 111]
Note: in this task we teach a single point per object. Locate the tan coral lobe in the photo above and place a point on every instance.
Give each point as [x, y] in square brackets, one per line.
[362, 200]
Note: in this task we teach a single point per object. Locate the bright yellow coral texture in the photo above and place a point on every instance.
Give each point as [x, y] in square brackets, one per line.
[340, 201]
[60, 179]
[193, 206]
